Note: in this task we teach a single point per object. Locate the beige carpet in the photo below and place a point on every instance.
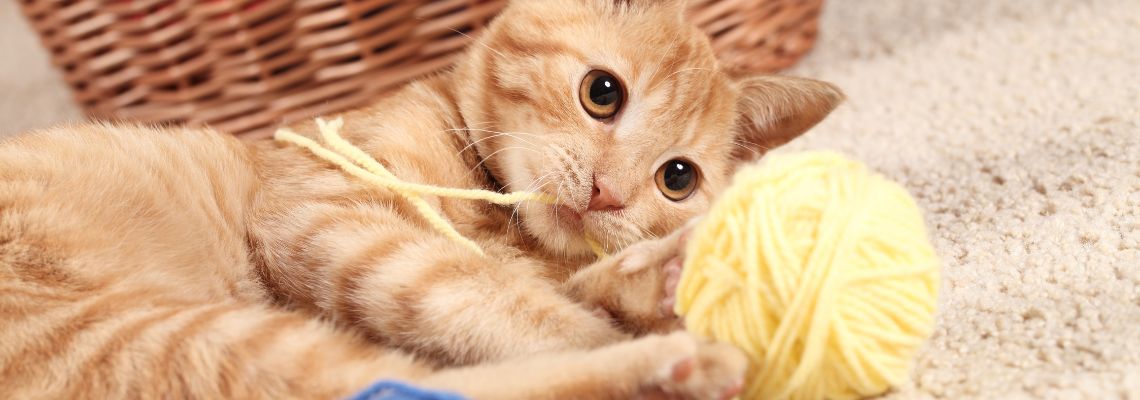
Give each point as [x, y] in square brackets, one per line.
[32, 93]
[1014, 122]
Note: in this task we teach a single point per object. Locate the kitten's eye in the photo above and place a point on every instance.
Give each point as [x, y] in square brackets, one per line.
[601, 94]
[677, 179]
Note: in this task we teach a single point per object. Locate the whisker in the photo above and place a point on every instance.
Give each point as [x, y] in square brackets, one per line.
[515, 216]
[497, 133]
[746, 148]
[553, 210]
[645, 233]
[511, 183]
[738, 142]
[491, 131]
[474, 40]
[480, 164]
[472, 144]
[686, 70]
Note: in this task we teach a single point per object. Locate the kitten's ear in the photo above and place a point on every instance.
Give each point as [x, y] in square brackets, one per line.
[773, 110]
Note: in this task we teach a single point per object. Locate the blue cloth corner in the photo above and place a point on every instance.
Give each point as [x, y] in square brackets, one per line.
[391, 390]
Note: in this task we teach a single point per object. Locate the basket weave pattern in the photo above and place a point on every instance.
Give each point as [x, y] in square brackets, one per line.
[246, 66]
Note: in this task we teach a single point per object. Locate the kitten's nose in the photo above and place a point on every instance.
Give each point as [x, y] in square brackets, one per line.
[603, 197]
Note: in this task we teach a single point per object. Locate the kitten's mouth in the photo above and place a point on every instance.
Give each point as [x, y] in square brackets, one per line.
[569, 216]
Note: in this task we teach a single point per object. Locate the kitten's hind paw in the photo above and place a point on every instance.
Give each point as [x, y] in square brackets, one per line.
[696, 369]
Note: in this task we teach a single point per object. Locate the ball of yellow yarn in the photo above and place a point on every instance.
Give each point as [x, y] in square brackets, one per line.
[818, 269]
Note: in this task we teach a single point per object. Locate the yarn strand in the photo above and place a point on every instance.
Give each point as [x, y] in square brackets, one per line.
[432, 217]
[357, 163]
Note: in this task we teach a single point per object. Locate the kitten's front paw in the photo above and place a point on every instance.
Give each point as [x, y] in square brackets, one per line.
[640, 282]
[657, 262]
[691, 368]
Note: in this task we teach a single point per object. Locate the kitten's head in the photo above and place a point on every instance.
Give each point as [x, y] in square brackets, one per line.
[620, 109]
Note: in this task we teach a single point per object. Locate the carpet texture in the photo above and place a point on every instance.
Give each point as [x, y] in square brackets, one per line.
[1015, 123]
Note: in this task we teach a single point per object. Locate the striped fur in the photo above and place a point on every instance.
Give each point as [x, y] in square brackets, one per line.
[138, 262]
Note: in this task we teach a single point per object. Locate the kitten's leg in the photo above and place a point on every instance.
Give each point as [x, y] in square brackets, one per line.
[409, 287]
[148, 344]
[143, 344]
[676, 366]
[637, 286]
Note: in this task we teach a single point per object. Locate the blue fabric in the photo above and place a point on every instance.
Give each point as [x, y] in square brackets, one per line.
[391, 390]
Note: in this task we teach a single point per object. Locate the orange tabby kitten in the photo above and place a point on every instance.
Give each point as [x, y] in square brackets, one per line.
[146, 263]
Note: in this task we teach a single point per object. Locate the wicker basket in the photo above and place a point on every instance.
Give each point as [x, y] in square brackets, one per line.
[245, 66]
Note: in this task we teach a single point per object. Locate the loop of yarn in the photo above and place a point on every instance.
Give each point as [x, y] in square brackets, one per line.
[821, 271]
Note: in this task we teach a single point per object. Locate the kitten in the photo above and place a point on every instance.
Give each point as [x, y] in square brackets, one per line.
[143, 263]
